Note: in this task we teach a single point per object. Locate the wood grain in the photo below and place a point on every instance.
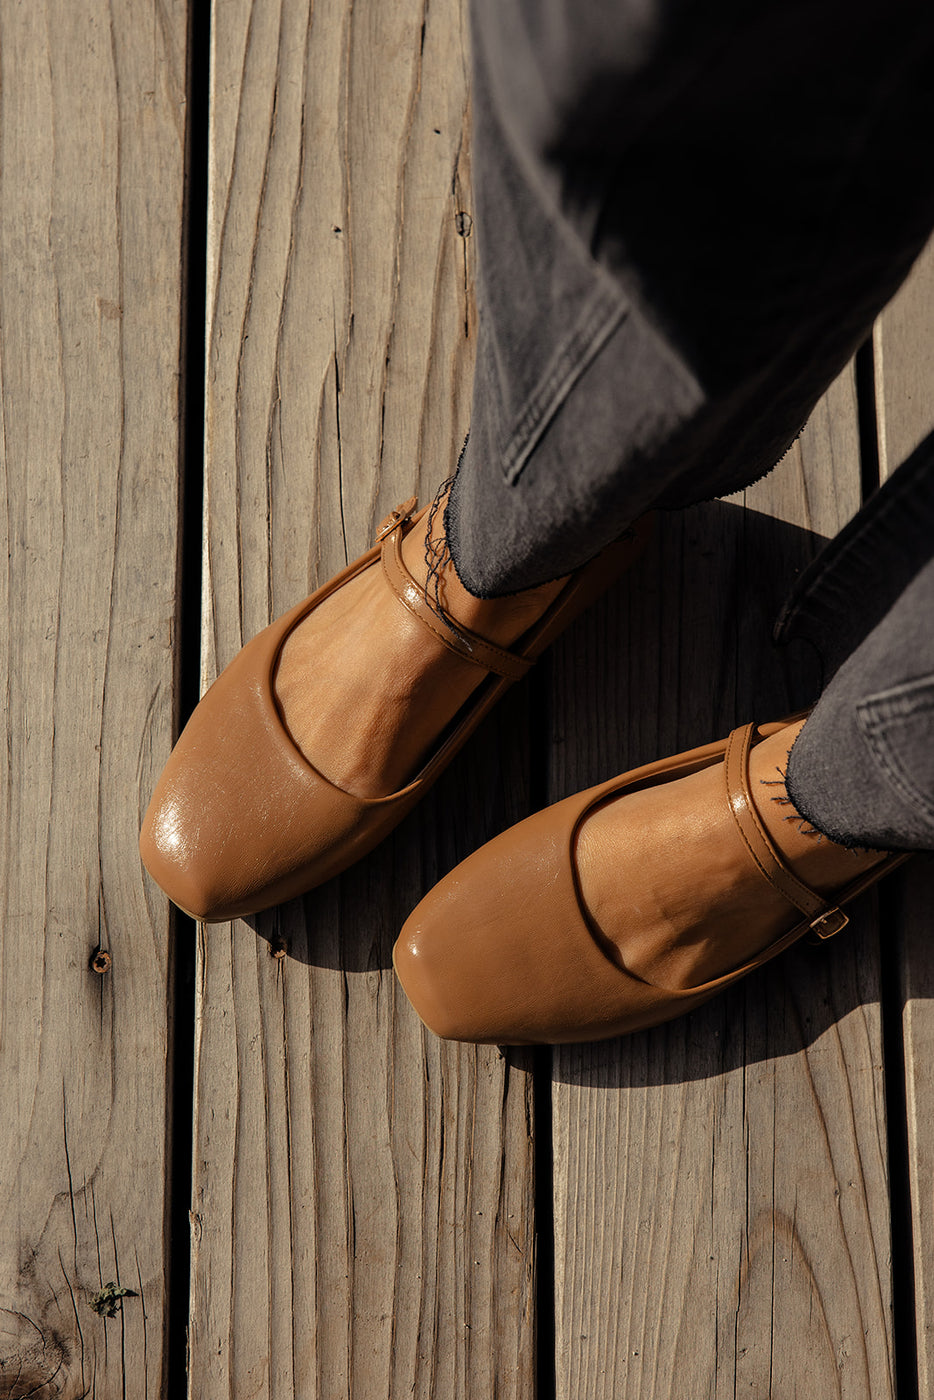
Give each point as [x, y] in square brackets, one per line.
[903, 354]
[92, 136]
[904, 363]
[721, 1183]
[363, 1221]
[907, 919]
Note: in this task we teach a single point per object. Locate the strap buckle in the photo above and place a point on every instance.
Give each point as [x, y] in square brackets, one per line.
[396, 517]
[829, 923]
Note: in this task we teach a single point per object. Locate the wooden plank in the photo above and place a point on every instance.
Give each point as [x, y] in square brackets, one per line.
[903, 343]
[92, 136]
[363, 1193]
[903, 360]
[907, 913]
[720, 1184]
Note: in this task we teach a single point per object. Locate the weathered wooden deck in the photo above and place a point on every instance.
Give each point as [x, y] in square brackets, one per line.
[737, 1204]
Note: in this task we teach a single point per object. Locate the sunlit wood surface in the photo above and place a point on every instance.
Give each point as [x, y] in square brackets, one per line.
[92, 130]
[707, 1210]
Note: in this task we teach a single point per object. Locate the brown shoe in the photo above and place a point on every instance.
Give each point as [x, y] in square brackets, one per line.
[240, 820]
[502, 950]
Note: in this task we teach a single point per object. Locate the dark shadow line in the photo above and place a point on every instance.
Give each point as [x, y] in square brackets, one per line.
[904, 1336]
[540, 738]
[181, 988]
[869, 470]
[179, 1126]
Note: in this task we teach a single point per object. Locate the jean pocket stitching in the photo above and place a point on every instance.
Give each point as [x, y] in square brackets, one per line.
[600, 318]
[878, 715]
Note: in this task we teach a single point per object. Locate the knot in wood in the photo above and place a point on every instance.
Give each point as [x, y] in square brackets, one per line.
[32, 1358]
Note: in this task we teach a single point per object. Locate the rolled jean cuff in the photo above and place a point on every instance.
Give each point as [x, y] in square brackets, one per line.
[520, 512]
[862, 772]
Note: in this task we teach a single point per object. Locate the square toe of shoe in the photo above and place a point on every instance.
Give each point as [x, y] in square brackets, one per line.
[225, 837]
[499, 951]
[239, 820]
[183, 850]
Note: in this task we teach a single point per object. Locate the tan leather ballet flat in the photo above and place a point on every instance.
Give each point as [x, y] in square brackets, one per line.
[241, 821]
[502, 950]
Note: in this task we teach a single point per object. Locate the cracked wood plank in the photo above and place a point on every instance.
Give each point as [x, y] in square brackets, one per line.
[363, 1218]
[92, 130]
[721, 1212]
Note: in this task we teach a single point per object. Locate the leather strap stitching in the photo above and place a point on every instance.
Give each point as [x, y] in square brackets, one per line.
[754, 836]
[471, 648]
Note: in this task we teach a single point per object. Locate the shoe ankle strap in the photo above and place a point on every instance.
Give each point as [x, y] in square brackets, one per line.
[452, 634]
[401, 515]
[825, 919]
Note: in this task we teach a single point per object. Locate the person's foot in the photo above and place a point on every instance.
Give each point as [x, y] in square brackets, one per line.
[629, 903]
[360, 667]
[676, 932]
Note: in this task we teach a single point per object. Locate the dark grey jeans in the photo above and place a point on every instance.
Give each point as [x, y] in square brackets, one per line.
[863, 767]
[688, 216]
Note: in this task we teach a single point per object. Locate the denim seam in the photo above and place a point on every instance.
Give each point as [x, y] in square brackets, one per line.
[877, 716]
[596, 325]
[492, 382]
